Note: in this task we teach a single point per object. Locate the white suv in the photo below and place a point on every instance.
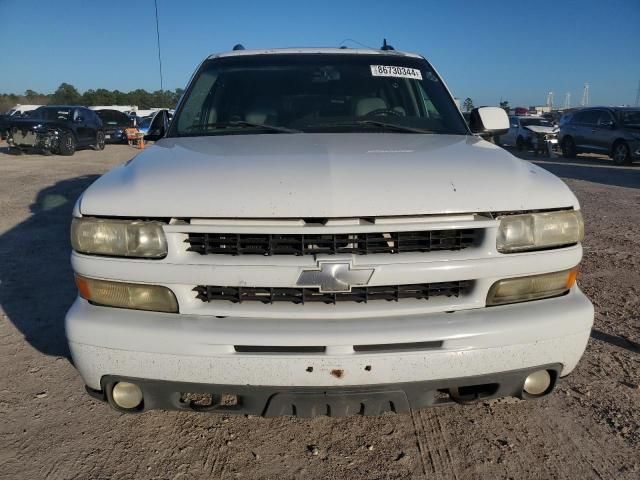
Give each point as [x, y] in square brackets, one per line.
[318, 232]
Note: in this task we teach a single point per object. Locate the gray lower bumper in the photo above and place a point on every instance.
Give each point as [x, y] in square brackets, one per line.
[271, 401]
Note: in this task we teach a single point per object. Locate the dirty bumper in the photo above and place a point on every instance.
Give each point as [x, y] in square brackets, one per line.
[271, 401]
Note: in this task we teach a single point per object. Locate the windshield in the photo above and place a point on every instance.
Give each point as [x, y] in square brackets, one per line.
[145, 122]
[316, 93]
[541, 122]
[630, 118]
[53, 113]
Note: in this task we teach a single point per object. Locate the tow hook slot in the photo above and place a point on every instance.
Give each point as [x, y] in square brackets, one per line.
[472, 393]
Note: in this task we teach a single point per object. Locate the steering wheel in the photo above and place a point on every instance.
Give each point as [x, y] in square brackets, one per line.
[379, 112]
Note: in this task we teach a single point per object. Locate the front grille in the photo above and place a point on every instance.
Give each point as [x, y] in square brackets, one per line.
[313, 244]
[270, 295]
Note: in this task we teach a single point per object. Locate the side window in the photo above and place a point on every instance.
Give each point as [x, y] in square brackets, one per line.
[513, 122]
[605, 118]
[590, 117]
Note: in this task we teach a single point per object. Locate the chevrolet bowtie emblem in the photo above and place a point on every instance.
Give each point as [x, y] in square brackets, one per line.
[335, 277]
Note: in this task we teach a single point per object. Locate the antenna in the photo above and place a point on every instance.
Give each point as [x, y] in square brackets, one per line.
[158, 37]
[386, 46]
[585, 95]
[567, 100]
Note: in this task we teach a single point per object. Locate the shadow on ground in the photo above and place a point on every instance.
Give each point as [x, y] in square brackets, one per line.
[616, 341]
[36, 283]
[596, 169]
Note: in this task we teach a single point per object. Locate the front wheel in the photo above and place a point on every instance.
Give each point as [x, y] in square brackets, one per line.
[621, 154]
[568, 148]
[100, 140]
[67, 145]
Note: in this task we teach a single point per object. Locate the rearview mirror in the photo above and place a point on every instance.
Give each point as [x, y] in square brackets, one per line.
[488, 121]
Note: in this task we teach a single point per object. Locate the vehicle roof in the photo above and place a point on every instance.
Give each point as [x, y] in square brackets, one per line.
[315, 50]
[623, 109]
[63, 106]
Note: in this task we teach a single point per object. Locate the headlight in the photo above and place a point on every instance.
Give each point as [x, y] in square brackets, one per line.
[120, 238]
[127, 295]
[535, 231]
[534, 287]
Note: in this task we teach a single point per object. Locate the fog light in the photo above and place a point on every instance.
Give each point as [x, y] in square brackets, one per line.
[126, 395]
[136, 296]
[537, 383]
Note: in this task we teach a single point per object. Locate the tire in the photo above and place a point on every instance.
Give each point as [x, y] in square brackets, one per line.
[519, 144]
[568, 148]
[67, 145]
[620, 153]
[100, 140]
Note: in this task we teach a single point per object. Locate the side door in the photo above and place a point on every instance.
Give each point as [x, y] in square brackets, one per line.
[583, 125]
[78, 117]
[604, 131]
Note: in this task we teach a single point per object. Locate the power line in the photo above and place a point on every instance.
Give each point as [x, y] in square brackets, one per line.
[158, 37]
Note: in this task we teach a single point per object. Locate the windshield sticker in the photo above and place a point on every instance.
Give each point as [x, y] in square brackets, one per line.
[397, 72]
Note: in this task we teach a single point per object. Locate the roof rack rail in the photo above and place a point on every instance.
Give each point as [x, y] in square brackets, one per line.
[238, 46]
[385, 45]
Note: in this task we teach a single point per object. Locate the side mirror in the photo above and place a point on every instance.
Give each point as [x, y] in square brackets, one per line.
[159, 127]
[489, 121]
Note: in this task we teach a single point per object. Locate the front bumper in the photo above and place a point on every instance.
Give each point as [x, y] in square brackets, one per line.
[273, 401]
[201, 350]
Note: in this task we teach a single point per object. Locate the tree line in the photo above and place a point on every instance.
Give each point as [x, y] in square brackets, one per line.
[67, 94]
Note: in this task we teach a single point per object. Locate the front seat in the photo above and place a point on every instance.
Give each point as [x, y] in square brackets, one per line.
[366, 105]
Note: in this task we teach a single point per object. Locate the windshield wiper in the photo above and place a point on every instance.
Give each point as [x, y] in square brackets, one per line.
[243, 124]
[374, 123]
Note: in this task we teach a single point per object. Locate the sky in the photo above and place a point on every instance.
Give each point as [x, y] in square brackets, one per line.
[513, 50]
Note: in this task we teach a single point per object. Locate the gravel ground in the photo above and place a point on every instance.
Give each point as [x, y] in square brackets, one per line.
[49, 428]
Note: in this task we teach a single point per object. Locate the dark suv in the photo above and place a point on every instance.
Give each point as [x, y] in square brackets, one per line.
[611, 130]
[56, 129]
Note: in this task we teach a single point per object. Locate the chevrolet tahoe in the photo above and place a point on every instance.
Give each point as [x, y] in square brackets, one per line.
[319, 232]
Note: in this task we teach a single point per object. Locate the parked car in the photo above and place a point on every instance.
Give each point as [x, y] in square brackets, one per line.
[522, 137]
[56, 129]
[115, 123]
[613, 131]
[319, 232]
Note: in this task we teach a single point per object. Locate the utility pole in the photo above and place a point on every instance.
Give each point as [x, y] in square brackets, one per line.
[158, 37]
[567, 100]
[638, 95]
[585, 95]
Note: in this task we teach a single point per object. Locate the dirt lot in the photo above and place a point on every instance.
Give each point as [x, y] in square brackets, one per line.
[49, 428]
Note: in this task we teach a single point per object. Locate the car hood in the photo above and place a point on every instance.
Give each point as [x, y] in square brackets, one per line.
[322, 175]
[31, 123]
